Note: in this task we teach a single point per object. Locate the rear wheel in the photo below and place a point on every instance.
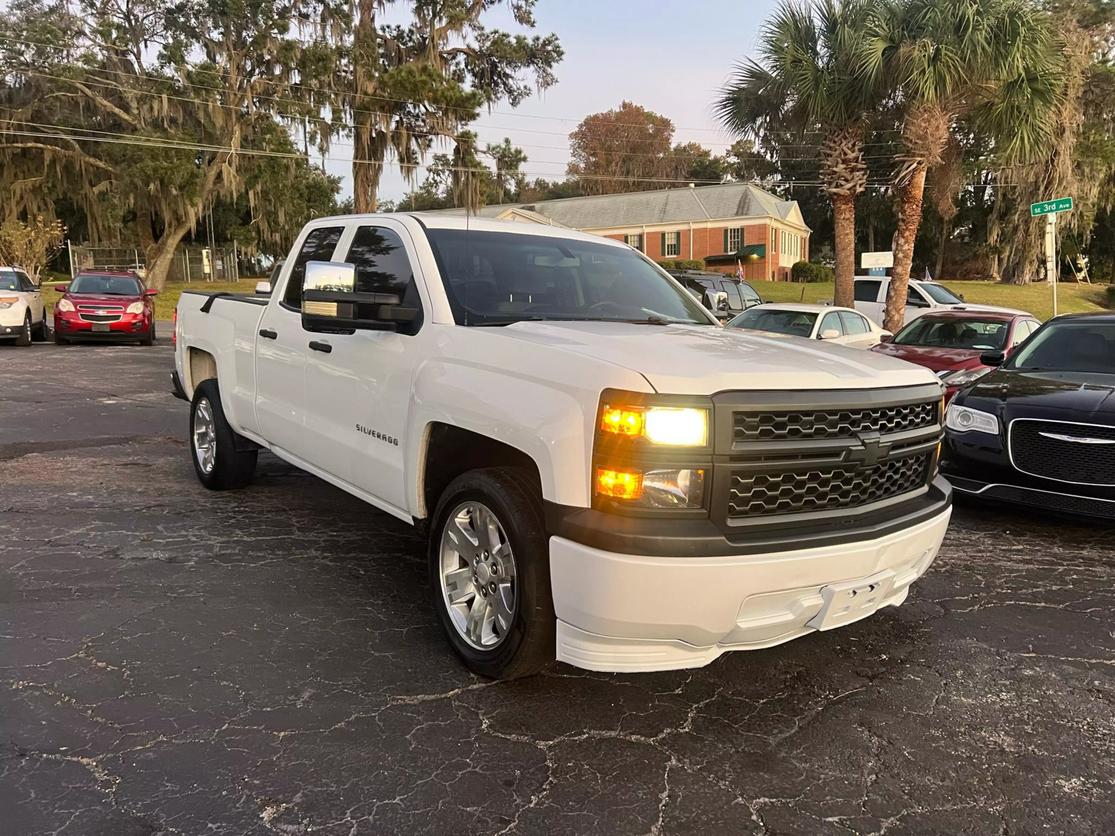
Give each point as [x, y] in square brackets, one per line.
[222, 459]
[24, 337]
[490, 573]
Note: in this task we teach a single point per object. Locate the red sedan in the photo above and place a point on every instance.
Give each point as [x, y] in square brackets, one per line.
[105, 306]
[950, 343]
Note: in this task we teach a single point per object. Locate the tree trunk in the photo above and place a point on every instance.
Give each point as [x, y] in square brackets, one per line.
[161, 255]
[844, 233]
[946, 229]
[871, 234]
[910, 197]
[368, 146]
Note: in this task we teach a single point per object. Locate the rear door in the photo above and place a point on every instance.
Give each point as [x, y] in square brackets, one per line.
[869, 298]
[280, 355]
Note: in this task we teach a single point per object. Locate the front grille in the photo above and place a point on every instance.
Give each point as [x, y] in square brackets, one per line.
[1080, 453]
[762, 494]
[88, 317]
[832, 423]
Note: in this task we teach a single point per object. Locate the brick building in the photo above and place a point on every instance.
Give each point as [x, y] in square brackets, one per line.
[723, 225]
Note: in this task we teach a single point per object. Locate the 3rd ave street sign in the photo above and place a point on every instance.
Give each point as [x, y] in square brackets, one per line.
[1049, 207]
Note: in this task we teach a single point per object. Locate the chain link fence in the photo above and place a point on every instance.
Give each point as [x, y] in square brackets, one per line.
[190, 264]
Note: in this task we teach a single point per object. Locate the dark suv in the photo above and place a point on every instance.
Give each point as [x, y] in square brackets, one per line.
[741, 295]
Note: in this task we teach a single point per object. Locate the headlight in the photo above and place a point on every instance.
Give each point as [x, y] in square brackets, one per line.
[963, 419]
[663, 425]
[135, 307]
[7, 301]
[963, 377]
[665, 488]
[65, 305]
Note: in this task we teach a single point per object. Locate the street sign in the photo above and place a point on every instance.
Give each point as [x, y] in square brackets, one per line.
[878, 260]
[1049, 207]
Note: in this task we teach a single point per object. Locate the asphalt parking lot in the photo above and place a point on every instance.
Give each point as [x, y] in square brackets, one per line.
[179, 661]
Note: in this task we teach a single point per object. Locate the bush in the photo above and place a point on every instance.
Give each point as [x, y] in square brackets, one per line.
[682, 264]
[668, 264]
[1111, 296]
[810, 271]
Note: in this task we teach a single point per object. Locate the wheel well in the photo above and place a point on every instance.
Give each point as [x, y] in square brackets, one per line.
[202, 366]
[451, 451]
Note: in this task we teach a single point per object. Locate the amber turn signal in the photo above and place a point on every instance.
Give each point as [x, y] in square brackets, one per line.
[619, 484]
[622, 421]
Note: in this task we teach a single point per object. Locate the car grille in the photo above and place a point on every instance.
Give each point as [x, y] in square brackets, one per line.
[100, 313]
[1080, 453]
[806, 458]
[830, 423]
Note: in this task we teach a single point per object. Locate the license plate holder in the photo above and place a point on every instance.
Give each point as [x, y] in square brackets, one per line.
[852, 600]
[100, 326]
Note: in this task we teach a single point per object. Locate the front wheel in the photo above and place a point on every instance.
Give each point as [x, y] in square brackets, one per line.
[219, 463]
[42, 331]
[149, 337]
[490, 573]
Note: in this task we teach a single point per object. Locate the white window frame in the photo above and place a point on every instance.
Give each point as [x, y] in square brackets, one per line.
[671, 244]
[735, 239]
[637, 237]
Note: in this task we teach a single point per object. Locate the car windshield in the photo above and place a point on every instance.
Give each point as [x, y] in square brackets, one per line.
[970, 334]
[939, 293]
[106, 285]
[796, 323]
[1072, 346]
[8, 280]
[498, 278]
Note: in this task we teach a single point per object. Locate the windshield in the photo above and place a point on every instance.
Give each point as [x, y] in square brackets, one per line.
[796, 323]
[969, 334]
[106, 285]
[1069, 347]
[939, 293]
[8, 280]
[497, 278]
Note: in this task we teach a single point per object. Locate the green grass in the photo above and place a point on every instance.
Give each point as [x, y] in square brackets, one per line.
[1034, 298]
[167, 300]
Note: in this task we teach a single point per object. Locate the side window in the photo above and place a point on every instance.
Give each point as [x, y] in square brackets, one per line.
[734, 300]
[750, 296]
[318, 246]
[382, 266]
[831, 322]
[867, 291]
[25, 280]
[916, 298]
[1022, 331]
[853, 323]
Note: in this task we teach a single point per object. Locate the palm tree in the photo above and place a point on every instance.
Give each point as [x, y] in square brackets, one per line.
[807, 80]
[992, 63]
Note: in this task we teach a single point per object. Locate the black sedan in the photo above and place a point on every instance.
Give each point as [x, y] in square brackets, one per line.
[1040, 430]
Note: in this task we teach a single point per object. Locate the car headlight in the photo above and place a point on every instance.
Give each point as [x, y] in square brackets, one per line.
[135, 308]
[963, 419]
[660, 488]
[7, 301]
[662, 425]
[963, 377]
[65, 305]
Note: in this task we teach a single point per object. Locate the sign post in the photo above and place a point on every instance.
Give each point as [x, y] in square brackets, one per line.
[1050, 209]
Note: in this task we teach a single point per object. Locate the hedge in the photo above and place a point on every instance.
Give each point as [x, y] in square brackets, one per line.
[811, 271]
[682, 264]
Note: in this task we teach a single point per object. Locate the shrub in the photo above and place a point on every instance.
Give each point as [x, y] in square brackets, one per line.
[668, 264]
[1111, 296]
[691, 264]
[810, 271]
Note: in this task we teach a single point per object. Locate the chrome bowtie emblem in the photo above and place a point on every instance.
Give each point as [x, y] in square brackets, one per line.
[1077, 439]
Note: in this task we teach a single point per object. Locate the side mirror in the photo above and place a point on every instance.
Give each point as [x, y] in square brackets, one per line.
[992, 358]
[150, 292]
[263, 288]
[829, 334]
[61, 288]
[886, 337]
[331, 303]
[717, 301]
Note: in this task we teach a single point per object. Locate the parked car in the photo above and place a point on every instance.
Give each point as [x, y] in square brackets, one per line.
[22, 312]
[1040, 430]
[739, 295]
[105, 306]
[951, 343]
[604, 474]
[921, 298]
[839, 326]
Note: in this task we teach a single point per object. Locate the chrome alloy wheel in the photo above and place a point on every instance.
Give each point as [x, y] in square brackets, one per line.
[205, 436]
[478, 575]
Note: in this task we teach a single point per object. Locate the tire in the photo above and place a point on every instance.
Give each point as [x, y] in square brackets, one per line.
[24, 337]
[42, 333]
[149, 339]
[59, 339]
[228, 467]
[521, 641]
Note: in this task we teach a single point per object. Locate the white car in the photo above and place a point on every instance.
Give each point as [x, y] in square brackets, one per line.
[839, 326]
[603, 474]
[22, 311]
[921, 298]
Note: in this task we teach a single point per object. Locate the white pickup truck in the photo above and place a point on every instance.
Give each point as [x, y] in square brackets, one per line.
[922, 297]
[606, 475]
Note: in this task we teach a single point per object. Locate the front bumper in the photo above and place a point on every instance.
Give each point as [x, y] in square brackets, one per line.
[1014, 490]
[626, 612]
[130, 327]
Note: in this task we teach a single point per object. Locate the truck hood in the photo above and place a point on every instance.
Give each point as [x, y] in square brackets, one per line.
[696, 360]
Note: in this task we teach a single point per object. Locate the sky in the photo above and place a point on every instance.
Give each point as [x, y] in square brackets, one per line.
[670, 56]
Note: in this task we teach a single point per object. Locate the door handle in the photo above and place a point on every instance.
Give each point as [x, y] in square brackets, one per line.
[320, 346]
[268, 334]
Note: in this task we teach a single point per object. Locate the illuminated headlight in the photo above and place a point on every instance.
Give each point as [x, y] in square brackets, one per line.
[65, 305]
[7, 301]
[663, 425]
[963, 377]
[963, 419]
[135, 308]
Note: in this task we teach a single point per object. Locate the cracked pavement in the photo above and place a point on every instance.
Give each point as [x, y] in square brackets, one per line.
[179, 661]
